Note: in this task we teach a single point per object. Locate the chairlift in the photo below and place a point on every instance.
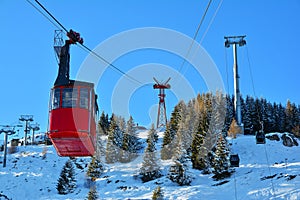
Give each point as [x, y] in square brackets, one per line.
[234, 160]
[260, 137]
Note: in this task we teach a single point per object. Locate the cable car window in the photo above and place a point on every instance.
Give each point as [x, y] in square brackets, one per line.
[55, 99]
[69, 97]
[84, 98]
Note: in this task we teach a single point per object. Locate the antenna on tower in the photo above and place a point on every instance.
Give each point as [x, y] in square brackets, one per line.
[161, 114]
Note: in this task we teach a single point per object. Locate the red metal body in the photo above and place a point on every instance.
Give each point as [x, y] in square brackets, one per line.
[72, 119]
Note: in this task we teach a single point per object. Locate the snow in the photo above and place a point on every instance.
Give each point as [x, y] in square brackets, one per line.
[267, 171]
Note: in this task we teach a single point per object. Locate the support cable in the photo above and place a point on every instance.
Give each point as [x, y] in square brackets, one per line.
[82, 45]
[265, 148]
[203, 36]
[43, 14]
[211, 21]
[195, 36]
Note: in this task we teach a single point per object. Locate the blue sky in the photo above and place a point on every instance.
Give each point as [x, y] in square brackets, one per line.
[28, 67]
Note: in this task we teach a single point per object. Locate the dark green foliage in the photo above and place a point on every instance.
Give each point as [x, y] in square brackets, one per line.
[150, 169]
[66, 182]
[114, 142]
[103, 124]
[220, 161]
[95, 169]
[158, 194]
[93, 194]
[171, 131]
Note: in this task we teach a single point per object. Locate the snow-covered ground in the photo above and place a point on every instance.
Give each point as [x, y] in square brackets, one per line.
[270, 171]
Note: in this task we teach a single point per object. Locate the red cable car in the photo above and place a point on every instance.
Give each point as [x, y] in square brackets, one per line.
[73, 109]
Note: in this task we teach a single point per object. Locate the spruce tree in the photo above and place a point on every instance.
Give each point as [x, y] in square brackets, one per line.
[158, 194]
[93, 194]
[150, 169]
[95, 169]
[66, 182]
[220, 162]
[179, 171]
[131, 143]
[171, 129]
[112, 145]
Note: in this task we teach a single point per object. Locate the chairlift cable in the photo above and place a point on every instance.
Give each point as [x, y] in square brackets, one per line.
[64, 28]
[211, 21]
[85, 47]
[204, 34]
[43, 14]
[265, 148]
[195, 36]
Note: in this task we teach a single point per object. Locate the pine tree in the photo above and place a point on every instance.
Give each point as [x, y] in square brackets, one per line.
[229, 114]
[103, 124]
[93, 194]
[220, 162]
[112, 146]
[95, 169]
[158, 194]
[171, 129]
[131, 143]
[179, 172]
[66, 182]
[150, 169]
[198, 150]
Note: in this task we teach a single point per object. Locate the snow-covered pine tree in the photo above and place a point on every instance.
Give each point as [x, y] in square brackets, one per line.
[131, 143]
[229, 114]
[220, 162]
[158, 194]
[199, 154]
[179, 171]
[150, 169]
[171, 129]
[93, 194]
[112, 148]
[66, 182]
[95, 169]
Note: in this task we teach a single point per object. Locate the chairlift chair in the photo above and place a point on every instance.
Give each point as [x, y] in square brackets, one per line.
[234, 160]
[260, 138]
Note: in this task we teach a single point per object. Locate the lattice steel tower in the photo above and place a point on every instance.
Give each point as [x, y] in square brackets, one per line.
[161, 115]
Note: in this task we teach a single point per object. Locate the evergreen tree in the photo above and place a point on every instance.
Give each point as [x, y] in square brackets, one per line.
[93, 194]
[158, 194]
[103, 124]
[95, 169]
[150, 169]
[179, 172]
[66, 182]
[198, 150]
[291, 116]
[171, 129]
[113, 142]
[229, 114]
[220, 162]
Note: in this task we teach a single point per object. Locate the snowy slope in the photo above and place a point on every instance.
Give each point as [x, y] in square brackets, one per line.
[270, 171]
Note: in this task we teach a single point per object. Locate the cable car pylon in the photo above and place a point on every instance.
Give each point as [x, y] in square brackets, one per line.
[234, 41]
[161, 114]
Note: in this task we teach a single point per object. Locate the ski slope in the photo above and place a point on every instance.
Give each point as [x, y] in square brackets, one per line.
[270, 171]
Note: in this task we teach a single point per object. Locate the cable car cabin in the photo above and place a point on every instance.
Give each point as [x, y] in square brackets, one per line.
[234, 160]
[260, 138]
[72, 119]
